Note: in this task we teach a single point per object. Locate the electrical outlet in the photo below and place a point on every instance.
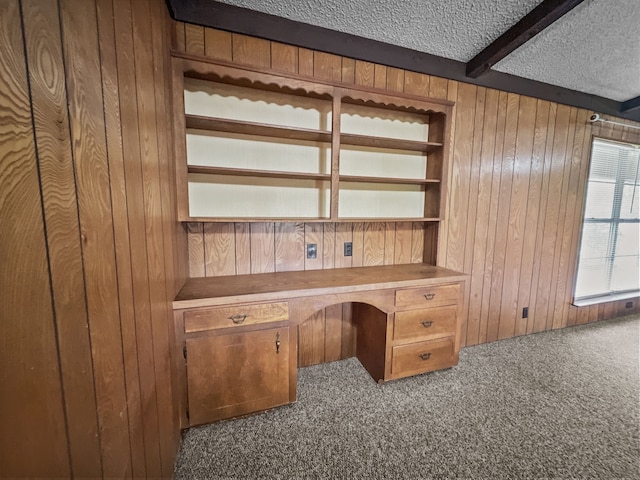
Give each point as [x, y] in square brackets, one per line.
[525, 312]
[312, 250]
[348, 249]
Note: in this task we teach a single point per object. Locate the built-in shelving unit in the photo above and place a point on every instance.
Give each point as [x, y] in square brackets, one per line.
[254, 146]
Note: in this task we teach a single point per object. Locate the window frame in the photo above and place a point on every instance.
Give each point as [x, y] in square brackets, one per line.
[614, 220]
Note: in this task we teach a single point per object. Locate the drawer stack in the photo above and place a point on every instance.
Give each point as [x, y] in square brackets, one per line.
[419, 335]
[424, 335]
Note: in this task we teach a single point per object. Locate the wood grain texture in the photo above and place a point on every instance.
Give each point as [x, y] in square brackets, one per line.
[219, 251]
[217, 44]
[109, 39]
[89, 148]
[284, 57]
[51, 123]
[194, 39]
[33, 437]
[327, 66]
[250, 50]
[364, 73]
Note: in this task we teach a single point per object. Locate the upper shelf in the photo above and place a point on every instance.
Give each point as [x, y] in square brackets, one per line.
[214, 124]
[252, 128]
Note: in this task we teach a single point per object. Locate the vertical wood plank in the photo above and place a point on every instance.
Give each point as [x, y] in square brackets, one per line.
[172, 236]
[460, 171]
[348, 70]
[551, 218]
[217, 44]
[243, 248]
[492, 218]
[178, 37]
[438, 87]
[195, 240]
[395, 79]
[348, 332]
[504, 199]
[51, 123]
[333, 333]
[564, 289]
[81, 55]
[327, 66]
[379, 76]
[403, 238]
[416, 83]
[328, 252]
[481, 227]
[33, 440]
[417, 242]
[155, 360]
[533, 211]
[373, 245]
[289, 246]
[194, 39]
[556, 282]
[474, 187]
[263, 249]
[509, 311]
[364, 74]
[389, 242]
[250, 50]
[358, 244]
[219, 249]
[311, 340]
[305, 62]
[133, 284]
[544, 193]
[284, 57]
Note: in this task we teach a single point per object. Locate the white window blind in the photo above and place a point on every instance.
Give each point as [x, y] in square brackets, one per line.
[609, 261]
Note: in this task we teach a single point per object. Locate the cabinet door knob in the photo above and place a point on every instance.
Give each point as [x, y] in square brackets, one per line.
[427, 323]
[425, 356]
[238, 318]
[429, 296]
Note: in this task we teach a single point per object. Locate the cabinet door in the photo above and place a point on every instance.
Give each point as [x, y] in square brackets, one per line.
[237, 374]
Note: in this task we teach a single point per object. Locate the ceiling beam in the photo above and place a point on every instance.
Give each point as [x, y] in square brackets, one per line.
[528, 27]
[631, 104]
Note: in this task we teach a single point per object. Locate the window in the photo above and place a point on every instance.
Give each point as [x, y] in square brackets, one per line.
[609, 261]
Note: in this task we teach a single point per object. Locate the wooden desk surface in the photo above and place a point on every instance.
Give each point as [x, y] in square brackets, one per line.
[211, 291]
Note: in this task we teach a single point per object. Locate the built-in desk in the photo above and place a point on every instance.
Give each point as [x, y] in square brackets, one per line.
[236, 337]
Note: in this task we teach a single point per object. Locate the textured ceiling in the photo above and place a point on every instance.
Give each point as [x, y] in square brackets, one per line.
[593, 49]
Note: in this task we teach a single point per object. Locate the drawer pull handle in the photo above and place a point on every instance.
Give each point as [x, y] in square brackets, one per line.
[429, 296]
[425, 356]
[238, 318]
[427, 323]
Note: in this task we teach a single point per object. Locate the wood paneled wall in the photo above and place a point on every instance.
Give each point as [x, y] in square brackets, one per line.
[91, 256]
[518, 172]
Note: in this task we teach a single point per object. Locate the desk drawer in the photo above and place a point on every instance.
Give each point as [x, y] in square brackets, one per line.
[423, 357]
[234, 316]
[427, 322]
[434, 296]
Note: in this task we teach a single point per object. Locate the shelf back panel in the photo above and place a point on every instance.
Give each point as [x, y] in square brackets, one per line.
[381, 162]
[225, 196]
[376, 200]
[221, 149]
[364, 120]
[233, 102]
